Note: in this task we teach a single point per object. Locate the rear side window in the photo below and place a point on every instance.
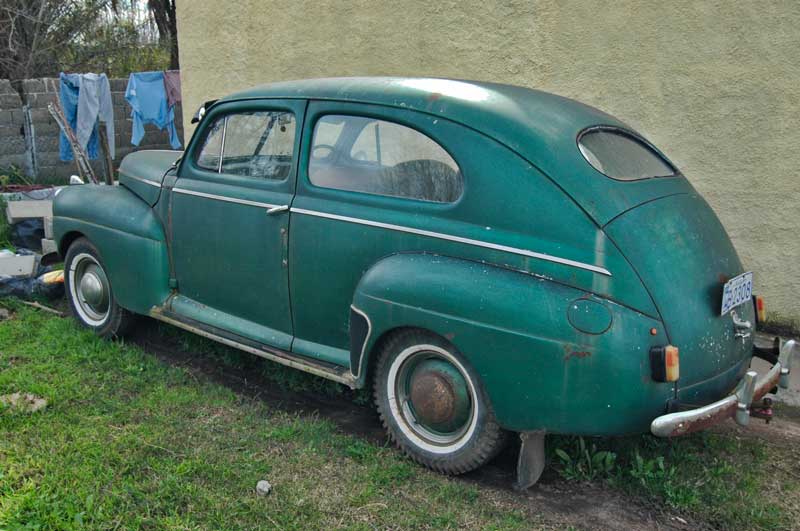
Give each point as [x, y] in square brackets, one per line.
[250, 144]
[374, 156]
[621, 156]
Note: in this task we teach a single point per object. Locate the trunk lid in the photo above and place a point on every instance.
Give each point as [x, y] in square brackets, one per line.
[683, 255]
[143, 171]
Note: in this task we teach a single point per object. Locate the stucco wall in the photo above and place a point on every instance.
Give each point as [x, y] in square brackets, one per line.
[715, 84]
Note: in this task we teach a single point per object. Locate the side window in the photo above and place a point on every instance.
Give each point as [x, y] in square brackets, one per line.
[374, 156]
[250, 144]
[209, 156]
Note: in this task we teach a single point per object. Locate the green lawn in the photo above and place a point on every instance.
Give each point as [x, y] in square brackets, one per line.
[130, 442]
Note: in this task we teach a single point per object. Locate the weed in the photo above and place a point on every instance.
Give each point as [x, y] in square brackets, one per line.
[13, 175]
[585, 463]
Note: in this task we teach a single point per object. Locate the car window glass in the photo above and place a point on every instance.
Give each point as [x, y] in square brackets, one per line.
[253, 144]
[619, 155]
[380, 157]
[256, 144]
[212, 147]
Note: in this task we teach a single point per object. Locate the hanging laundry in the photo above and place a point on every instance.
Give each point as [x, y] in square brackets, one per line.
[94, 104]
[147, 97]
[69, 89]
[172, 84]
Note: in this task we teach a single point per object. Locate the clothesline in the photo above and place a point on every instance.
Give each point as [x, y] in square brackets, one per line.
[86, 101]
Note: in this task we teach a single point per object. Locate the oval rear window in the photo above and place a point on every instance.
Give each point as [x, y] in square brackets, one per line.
[622, 156]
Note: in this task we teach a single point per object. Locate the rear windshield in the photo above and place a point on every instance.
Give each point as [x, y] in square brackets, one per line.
[621, 156]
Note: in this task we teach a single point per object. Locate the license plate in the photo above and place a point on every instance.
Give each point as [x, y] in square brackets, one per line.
[736, 291]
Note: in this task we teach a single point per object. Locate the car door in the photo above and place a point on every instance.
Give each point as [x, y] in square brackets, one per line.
[365, 170]
[229, 220]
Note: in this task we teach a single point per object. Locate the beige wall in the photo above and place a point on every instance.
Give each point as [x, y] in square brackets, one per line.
[715, 84]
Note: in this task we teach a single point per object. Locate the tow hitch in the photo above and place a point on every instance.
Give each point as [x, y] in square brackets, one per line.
[764, 411]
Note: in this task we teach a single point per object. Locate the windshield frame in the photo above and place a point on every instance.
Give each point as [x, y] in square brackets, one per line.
[625, 132]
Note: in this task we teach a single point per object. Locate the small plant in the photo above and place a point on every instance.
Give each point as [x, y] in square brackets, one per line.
[5, 228]
[12, 175]
[586, 463]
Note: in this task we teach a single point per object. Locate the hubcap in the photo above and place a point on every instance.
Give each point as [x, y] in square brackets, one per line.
[89, 289]
[434, 398]
[92, 289]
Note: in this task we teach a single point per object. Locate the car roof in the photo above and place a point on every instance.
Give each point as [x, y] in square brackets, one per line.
[534, 123]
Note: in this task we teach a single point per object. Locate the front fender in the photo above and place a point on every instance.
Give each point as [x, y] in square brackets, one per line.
[128, 235]
[539, 371]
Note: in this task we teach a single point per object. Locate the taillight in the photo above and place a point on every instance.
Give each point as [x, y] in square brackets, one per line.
[761, 309]
[665, 363]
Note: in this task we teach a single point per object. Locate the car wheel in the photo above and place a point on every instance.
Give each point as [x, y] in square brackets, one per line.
[433, 405]
[89, 293]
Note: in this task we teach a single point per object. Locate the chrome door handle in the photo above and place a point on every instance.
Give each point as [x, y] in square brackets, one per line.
[277, 209]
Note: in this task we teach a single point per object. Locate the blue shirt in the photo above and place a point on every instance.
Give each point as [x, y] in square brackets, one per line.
[148, 100]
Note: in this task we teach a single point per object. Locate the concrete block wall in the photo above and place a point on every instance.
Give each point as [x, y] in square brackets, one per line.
[12, 141]
[37, 94]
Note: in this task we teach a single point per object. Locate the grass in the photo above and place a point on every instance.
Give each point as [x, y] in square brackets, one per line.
[130, 442]
[729, 481]
[127, 442]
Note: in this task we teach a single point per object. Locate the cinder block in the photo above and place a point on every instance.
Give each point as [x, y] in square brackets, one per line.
[50, 158]
[10, 101]
[7, 161]
[46, 142]
[12, 145]
[49, 246]
[118, 84]
[17, 266]
[46, 128]
[62, 171]
[41, 99]
[6, 117]
[40, 115]
[20, 210]
[51, 84]
[6, 87]
[30, 86]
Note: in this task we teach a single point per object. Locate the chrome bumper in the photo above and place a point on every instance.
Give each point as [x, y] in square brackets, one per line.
[751, 389]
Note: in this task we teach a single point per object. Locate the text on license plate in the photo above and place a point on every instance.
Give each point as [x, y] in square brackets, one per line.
[736, 291]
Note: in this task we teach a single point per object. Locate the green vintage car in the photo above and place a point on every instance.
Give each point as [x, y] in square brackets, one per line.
[487, 258]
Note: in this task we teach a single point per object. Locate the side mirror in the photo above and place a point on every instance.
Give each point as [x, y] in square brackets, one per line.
[202, 111]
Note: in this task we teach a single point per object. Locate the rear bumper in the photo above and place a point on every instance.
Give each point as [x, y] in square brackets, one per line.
[751, 388]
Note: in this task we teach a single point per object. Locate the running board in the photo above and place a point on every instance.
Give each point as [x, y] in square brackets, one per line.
[331, 372]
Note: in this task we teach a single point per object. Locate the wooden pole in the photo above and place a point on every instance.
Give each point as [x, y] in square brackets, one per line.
[106, 154]
[81, 159]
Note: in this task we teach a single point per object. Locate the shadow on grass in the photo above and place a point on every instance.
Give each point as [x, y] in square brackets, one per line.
[715, 476]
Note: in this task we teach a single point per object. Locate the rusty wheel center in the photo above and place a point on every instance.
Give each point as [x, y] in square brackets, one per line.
[435, 398]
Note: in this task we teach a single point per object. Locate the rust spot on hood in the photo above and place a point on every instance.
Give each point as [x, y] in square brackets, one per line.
[569, 353]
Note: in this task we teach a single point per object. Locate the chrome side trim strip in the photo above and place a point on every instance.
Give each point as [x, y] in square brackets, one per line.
[224, 198]
[146, 181]
[459, 239]
[278, 356]
[364, 345]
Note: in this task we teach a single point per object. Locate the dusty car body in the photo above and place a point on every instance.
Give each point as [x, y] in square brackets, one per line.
[490, 258]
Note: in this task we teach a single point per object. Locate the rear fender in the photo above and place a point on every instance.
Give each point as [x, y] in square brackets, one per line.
[539, 371]
[128, 236]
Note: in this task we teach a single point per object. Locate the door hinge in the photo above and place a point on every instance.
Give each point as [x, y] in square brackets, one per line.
[173, 283]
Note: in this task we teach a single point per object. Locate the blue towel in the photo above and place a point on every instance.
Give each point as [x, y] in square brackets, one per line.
[69, 88]
[148, 100]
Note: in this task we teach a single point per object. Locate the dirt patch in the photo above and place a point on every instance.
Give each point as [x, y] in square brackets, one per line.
[22, 403]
